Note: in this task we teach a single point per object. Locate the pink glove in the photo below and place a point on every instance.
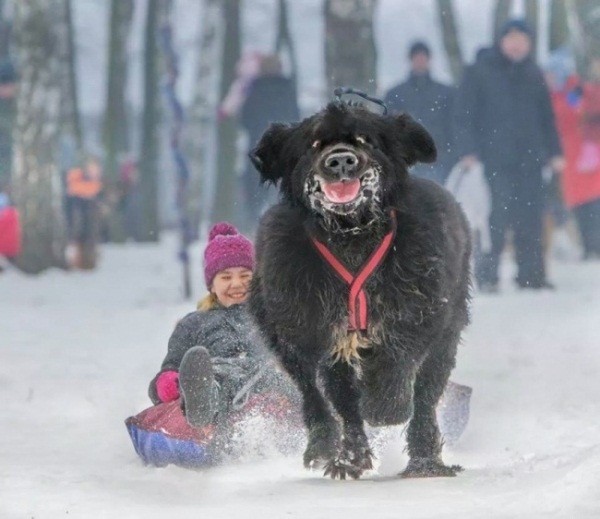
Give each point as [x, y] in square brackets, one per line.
[167, 386]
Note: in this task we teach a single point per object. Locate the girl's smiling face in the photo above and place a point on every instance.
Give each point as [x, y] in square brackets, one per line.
[231, 286]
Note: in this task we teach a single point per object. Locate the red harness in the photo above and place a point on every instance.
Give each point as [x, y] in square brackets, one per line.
[357, 300]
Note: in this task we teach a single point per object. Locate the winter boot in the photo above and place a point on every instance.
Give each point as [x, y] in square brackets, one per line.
[199, 388]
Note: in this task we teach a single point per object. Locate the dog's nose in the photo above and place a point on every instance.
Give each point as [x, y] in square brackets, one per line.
[341, 163]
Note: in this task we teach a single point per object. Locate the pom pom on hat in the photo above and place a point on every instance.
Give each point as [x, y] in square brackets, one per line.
[226, 248]
[222, 229]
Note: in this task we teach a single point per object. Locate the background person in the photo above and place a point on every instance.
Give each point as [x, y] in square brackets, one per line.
[504, 119]
[577, 107]
[271, 98]
[429, 102]
[83, 188]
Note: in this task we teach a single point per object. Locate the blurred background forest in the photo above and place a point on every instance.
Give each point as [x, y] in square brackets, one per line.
[139, 95]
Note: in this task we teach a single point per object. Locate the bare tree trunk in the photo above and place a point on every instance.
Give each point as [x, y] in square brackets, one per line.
[226, 194]
[173, 107]
[37, 184]
[532, 17]
[450, 37]
[559, 24]
[115, 131]
[585, 32]
[71, 122]
[150, 120]
[350, 53]
[202, 135]
[6, 27]
[501, 15]
[284, 41]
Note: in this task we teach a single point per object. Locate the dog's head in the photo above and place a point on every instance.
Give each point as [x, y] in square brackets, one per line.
[345, 163]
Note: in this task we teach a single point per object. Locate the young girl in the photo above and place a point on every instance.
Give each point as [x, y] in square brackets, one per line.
[216, 358]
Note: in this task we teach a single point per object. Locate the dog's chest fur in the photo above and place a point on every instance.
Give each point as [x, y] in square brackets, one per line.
[307, 302]
[395, 293]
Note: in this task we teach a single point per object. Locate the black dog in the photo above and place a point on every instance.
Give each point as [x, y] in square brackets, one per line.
[362, 284]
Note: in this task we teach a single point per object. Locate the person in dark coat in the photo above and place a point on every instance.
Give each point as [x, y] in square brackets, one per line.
[216, 356]
[504, 119]
[271, 98]
[430, 103]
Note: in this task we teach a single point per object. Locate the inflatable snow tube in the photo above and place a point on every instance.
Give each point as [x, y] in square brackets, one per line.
[161, 436]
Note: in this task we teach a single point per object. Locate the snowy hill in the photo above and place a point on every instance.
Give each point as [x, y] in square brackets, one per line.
[78, 350]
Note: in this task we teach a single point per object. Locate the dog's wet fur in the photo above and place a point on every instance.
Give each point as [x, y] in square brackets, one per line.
[418, 297]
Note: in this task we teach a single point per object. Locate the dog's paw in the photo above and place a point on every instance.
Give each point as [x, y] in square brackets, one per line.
[353, 460]
[349, 462]
[429, 468]
[322, 445]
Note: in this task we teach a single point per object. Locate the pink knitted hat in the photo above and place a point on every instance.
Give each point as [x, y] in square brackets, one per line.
[226, 248]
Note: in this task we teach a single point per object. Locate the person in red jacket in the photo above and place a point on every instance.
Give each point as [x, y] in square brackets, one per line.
[10, 229]
[577, 109]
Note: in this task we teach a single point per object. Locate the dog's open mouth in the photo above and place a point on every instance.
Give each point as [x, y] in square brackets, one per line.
[343, 197]
[341, 192]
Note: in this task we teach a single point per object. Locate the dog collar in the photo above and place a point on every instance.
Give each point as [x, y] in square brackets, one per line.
[357, 297]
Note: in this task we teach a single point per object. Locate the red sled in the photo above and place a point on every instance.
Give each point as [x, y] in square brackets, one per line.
[10, 232]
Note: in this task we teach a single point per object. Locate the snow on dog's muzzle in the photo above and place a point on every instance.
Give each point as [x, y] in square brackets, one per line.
[346, 196]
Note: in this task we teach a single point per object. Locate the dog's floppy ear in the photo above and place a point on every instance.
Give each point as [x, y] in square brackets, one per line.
[416, 141]
[267, 155]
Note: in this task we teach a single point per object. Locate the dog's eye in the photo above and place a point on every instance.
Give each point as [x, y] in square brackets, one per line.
[361, 140]
[316, 144]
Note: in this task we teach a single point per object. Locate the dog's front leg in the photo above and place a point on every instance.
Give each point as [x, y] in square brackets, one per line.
[355, 455]
[423, 435]
[301, 366]
[323, 433]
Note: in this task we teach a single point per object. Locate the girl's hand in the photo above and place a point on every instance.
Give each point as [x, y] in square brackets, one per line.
[167, 386]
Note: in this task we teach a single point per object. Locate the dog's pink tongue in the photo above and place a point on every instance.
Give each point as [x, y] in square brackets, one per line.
[341, 192]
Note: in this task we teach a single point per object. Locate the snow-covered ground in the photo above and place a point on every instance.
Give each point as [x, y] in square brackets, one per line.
[78, 349]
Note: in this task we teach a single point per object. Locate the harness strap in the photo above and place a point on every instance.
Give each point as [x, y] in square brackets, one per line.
[357, 298]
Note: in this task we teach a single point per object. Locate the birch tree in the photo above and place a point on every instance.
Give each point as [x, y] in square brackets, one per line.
[202, 137]
[225, 196]
[150, 119]
[39, 31]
